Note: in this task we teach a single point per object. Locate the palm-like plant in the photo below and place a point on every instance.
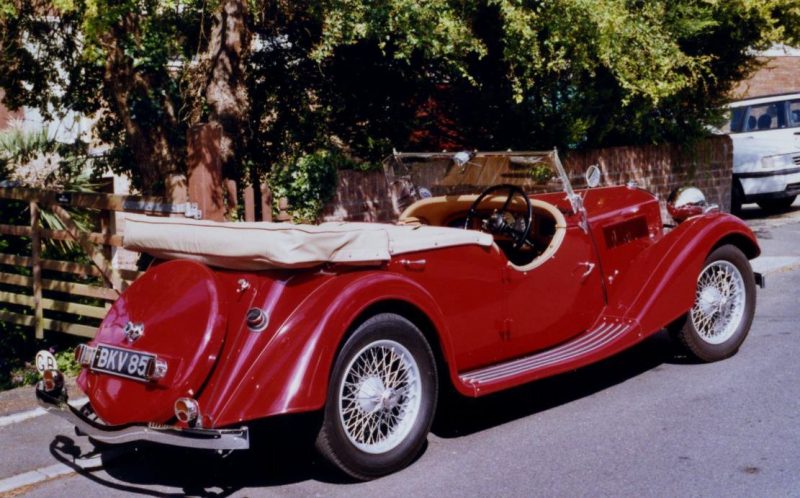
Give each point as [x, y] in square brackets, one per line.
[34, 159]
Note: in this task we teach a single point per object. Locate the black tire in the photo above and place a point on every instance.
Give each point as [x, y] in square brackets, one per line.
[777, 205]
[401, 342]
[706, 345]
[737, 197]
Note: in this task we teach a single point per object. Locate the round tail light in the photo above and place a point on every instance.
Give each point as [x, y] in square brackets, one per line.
[52, 380]
[186, 410]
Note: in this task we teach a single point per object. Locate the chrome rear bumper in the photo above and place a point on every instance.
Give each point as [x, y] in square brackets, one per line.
[55, 402]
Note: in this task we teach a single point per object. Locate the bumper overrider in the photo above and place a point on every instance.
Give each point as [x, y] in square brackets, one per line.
[53, 398]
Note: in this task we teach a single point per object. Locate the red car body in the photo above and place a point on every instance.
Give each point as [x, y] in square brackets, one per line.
[617, 277]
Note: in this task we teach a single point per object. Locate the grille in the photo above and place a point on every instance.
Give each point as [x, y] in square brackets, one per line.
[796, 160]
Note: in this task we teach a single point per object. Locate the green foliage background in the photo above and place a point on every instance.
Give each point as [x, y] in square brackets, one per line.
[367, 76]
[362, 77]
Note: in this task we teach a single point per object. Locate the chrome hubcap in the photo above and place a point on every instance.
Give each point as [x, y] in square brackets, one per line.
[379, 396]
[719, 302]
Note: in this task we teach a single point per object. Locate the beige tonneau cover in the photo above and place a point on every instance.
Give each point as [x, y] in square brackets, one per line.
[263, 245]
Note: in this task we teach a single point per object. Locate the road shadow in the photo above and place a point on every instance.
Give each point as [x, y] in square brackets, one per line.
[282, 453]
[283, 447]
[755, 212]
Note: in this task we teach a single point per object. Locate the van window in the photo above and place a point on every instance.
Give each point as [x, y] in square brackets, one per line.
[736, 121]
[766, 117]
[794, 113]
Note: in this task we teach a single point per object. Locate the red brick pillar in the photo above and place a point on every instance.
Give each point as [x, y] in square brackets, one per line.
[205, 171]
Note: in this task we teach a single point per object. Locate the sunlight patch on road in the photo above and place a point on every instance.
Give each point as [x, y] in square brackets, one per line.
[36, 412]
[773, 264]
[34, 477]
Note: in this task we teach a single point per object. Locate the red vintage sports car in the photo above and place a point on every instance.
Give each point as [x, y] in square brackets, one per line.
[366, 322]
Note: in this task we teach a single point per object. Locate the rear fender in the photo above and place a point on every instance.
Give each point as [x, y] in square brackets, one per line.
[659, 285]
[291, 373]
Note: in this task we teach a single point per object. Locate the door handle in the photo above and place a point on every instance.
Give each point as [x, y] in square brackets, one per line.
[413, 264]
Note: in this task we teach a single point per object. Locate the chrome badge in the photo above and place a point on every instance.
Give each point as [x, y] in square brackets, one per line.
[133, 331]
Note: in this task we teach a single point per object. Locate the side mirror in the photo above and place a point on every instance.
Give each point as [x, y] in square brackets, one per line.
[593, 176]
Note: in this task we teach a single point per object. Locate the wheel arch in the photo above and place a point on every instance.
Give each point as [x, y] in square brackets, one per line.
[292, 373]
[416, 316]
[744, 243]
[660, 283]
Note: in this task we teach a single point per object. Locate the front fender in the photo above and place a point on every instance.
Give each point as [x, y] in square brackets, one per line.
[291, 373]
[659, 285]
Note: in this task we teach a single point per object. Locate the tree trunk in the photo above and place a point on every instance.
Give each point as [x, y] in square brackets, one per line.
[153, 151]
[226, 89]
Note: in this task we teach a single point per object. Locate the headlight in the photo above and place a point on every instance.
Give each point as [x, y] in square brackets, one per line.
[685, 202]
[777, 162]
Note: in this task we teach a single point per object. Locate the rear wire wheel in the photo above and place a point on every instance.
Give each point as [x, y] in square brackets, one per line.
[381, 399]
[725, 301]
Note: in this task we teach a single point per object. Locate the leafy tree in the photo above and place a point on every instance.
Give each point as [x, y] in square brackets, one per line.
[286, 79]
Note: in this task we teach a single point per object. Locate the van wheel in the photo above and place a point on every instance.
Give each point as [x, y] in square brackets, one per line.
[737, 197]
[381, 399]
[777, 205]
[725, 301]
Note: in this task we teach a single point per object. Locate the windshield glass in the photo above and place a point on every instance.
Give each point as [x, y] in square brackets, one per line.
[472, 172]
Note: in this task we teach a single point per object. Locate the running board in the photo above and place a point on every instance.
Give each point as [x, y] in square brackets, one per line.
[603, 340]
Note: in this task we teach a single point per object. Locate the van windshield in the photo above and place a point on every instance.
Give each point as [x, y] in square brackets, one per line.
[794, 112]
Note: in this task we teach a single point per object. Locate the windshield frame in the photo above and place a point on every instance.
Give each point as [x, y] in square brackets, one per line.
[456, 166]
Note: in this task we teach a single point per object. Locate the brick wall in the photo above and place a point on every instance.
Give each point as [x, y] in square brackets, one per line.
[663, 168]
[778, 75]
[658, 168]
[360, 196]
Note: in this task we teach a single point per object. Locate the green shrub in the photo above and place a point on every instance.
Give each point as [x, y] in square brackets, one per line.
[308, 183]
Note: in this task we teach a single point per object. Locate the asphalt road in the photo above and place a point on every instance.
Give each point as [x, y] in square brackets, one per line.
[644, 423]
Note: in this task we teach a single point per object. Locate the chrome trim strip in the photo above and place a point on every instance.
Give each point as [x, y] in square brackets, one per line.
[209, 439]
[764, 174]
[590, 342]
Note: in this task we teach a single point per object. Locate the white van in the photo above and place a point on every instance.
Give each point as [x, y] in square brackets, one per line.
[766, 151]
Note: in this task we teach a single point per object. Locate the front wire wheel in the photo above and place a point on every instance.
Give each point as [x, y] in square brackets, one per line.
[381, 399]
[719, 302]
[722, 313]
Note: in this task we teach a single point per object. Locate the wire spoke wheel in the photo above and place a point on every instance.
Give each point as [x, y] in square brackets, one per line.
[724, 304]
[379, 396]
[719, 302]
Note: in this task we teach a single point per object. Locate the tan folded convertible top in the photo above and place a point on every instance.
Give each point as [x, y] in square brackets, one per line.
[264, 245]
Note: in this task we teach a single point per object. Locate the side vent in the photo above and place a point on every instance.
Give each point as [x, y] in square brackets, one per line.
[625, 232]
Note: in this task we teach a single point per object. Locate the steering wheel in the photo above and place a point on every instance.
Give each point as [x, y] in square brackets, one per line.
[497, 224]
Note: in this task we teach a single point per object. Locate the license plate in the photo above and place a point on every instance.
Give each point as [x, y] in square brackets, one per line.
[121, 362]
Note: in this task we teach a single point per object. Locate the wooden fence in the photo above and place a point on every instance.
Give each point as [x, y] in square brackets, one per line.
[65, 296]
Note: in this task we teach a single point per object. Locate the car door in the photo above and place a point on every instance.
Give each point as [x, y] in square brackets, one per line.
[557, 299]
